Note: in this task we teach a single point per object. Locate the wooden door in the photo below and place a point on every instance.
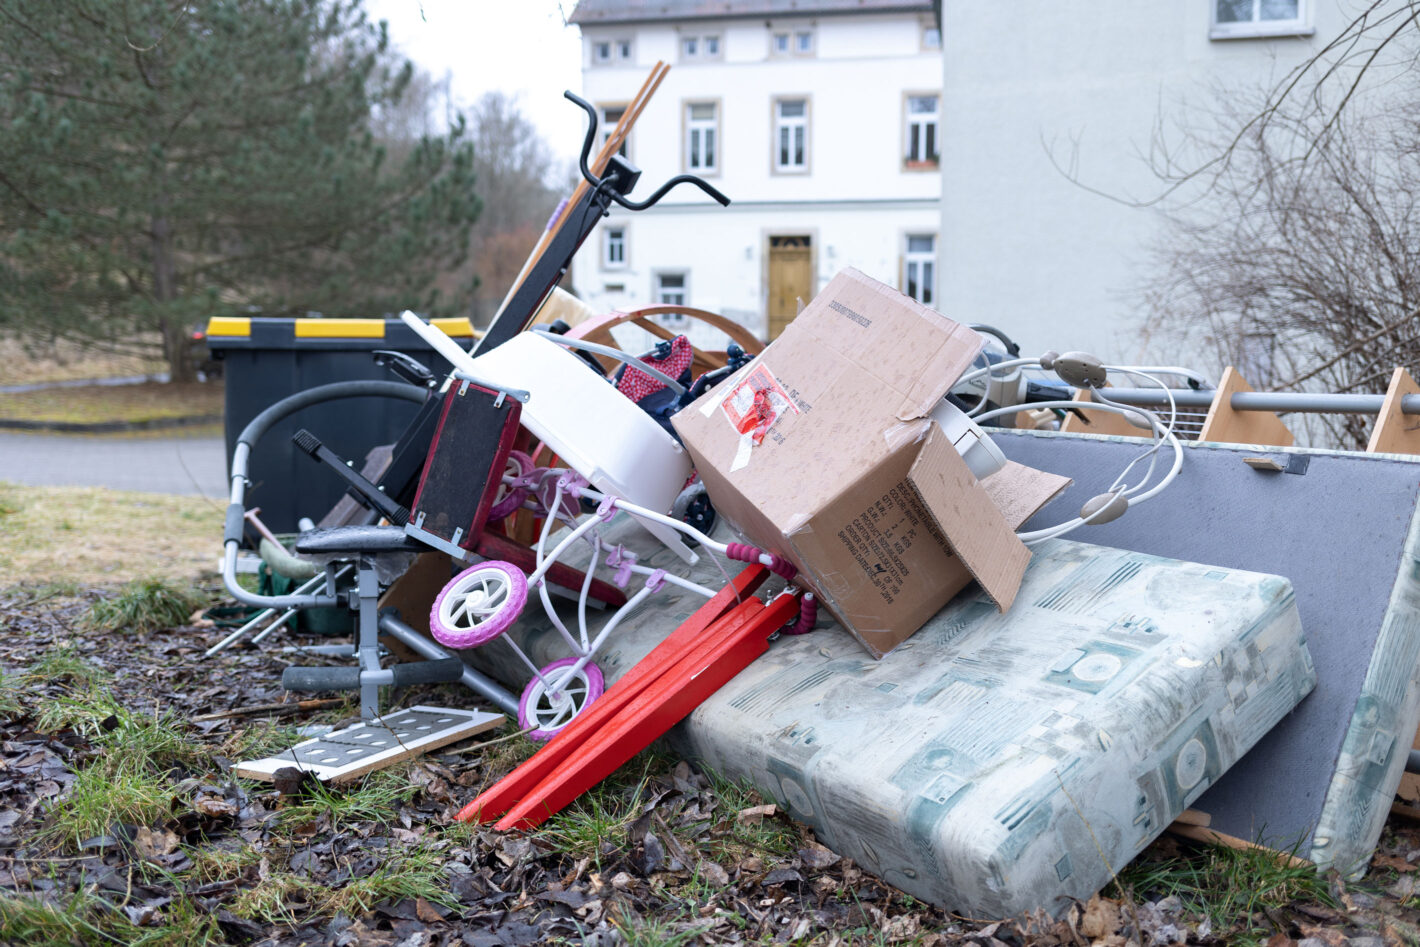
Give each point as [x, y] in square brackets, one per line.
[791, 278]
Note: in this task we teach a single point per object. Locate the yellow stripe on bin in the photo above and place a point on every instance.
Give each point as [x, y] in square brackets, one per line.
[239, 326]
[340, 328]
[456, 328]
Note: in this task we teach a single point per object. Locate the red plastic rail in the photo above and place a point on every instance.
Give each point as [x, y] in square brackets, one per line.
[713, 616]
[659, 707]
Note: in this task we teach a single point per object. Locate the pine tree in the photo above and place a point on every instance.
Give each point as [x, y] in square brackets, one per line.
[161, 162]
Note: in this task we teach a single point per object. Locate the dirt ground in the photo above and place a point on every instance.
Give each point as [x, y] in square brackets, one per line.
[120, 822]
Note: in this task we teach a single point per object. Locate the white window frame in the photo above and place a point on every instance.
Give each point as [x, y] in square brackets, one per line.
[923, 120]
[601, 52]
[701, 52]
[693, 141]
[606, 125]
[920, 266]
[616, 246]
[793, 38]
[659, 291]
[1300, 25]
[625, 50]
[930, 30]
[782, 123]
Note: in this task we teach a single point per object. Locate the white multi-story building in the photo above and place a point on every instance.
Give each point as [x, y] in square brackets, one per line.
[819, 119]
[1051, 110]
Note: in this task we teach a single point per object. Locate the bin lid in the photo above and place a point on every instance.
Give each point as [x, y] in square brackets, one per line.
[266, 332]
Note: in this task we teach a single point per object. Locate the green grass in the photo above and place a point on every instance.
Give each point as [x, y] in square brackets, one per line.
[604, 813]
[145, 605]
[64, 664]
[376, 798]
[129, 781]
[85, 919]
[11, 688]
[284, 898]
[770, 835]
[1227, 886]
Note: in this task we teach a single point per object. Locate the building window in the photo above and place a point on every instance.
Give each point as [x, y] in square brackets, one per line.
[699, 48]
[701, 126]
[614, 248]
[791, 136]
[670, 289]
[919, 279]
[611, 114]
[798, 42]
[922, 148]
[607, 51]
[1239, 19]
[931, 38]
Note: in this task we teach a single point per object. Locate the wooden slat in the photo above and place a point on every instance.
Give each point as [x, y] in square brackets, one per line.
[1201, 834]
[1227, 426]
[1098, 422]
[1396, 433]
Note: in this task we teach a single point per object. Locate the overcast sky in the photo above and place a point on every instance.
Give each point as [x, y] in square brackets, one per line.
[521, 47]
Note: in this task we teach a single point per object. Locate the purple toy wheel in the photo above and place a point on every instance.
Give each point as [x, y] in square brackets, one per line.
[546, 711]
[508, 499]
[478, 604]
[547, 489]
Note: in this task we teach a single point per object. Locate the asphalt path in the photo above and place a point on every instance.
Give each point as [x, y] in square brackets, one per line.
[190, 466]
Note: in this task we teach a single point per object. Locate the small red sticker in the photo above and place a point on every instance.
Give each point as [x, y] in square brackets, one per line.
[756, 403]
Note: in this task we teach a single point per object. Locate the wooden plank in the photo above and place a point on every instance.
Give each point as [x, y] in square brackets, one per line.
[1227, 426]
[718, 616]
[1201, 834]
[1194, 817]
[598, 166]
[1098, 422]
[1396, 433]
[376, 744]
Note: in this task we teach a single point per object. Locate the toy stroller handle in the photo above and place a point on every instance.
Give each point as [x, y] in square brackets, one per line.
[660, 192]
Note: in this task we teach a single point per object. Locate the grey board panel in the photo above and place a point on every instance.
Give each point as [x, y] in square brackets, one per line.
[1342, 528]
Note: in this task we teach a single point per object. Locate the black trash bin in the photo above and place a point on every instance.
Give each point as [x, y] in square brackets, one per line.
[267, 359]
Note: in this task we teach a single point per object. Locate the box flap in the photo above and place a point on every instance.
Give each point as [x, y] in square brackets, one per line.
[974, 527]
[957, 349]
[1020, 492]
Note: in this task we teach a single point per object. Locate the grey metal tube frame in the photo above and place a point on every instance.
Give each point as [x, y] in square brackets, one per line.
[252, 433]
[475, 681]
[1284, 401]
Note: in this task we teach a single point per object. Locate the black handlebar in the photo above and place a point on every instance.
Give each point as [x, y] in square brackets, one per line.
[621, 199]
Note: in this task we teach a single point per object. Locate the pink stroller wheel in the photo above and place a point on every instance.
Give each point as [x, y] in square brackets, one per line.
[478, 604]
[508, 499]
[546, 711]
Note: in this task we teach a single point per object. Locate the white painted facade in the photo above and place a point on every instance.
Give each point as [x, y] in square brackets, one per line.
[856, 198]
[1025, 248]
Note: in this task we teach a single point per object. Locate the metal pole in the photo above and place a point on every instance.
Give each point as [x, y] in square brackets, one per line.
[478, 683]
[1287, 401]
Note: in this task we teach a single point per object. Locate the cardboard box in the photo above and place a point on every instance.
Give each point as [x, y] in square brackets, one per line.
[821, 450]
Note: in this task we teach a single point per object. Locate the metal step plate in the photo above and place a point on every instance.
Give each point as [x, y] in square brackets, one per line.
[345, 754]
